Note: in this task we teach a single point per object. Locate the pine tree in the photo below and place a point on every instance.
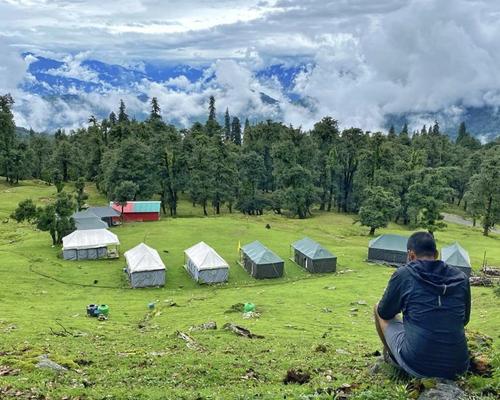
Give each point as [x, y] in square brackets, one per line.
[392, 132]
[211, 109]
[155, 110]
[122, 115]
[246, 129]
[7, 136]
[236, 131]
[435, 129]
[112, 118]
[227, 126]
[212, 126]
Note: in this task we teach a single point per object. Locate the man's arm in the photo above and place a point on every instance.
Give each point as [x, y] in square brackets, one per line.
[391, 303]
[467, 304]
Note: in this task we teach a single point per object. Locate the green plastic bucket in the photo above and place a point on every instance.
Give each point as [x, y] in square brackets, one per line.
[249, 307]
[103, 309]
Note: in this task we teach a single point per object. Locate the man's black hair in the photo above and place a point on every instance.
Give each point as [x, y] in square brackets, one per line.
[423, 244]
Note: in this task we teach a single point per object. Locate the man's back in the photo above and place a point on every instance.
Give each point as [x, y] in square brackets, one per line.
[435, 301]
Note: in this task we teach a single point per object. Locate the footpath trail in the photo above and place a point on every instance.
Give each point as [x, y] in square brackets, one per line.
[457, 219]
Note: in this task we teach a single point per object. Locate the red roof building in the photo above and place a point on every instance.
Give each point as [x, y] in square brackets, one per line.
[139, 211]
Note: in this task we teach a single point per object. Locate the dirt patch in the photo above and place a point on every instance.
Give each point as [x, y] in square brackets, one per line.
[296, 376]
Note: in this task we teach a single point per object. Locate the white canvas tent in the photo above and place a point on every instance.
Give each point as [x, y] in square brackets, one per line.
[205, 265]
[144, 266]
[90, 244]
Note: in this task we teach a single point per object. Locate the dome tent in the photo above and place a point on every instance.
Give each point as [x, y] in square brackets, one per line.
[260, 262]
[90, 244]
[390, 249]
[313, 257]
[205, 265]
[456, 256]
[144, 266]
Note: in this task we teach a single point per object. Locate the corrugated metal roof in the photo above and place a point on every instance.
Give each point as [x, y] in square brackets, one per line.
[260, 254]
[312, 249]
[147, 206]
[138, 206]
[456, 256]
[90, 223]
[104, 211]
[389, 242]
[86, 214]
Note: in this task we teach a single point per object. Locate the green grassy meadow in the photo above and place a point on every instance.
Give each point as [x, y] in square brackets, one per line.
[136, 353]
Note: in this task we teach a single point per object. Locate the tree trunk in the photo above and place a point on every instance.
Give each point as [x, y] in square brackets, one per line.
[205, 209]
[372, 231]
[217, 208]
[487, 219]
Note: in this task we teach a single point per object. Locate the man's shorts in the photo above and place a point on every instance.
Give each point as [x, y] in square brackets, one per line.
[395, 336]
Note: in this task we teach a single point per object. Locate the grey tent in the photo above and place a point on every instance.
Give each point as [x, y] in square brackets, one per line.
[390, 249]
[205, 265]
[312, 256]
[456, 256]
[260, 262]
[108, 214]
[90, 244]
[144, 267]
[88, 220]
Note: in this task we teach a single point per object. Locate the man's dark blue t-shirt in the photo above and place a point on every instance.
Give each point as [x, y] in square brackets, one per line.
[435, 301]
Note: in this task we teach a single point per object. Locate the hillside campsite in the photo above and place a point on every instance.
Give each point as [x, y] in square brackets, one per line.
[155, 342]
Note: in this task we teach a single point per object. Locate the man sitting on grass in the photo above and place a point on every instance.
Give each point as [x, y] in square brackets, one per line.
[435, 301]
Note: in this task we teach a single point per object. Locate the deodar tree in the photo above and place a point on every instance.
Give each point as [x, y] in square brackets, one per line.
[378, 208]
[484, 192]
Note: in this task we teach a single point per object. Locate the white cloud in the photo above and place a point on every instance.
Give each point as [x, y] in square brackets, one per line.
[369, 57]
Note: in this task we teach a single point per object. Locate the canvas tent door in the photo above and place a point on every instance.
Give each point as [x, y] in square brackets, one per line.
[205, 265]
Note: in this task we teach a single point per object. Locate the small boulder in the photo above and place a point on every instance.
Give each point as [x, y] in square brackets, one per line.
[46, 362]
[444, 390]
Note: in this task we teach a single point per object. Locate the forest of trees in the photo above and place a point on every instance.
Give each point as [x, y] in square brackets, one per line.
[407, 177]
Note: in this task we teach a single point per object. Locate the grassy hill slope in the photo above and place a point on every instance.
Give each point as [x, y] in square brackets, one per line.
[308, 322]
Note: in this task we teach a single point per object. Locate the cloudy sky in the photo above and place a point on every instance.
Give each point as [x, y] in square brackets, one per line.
[361, 59]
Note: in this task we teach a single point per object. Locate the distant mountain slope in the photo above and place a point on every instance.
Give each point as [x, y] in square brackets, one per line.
[71, 80]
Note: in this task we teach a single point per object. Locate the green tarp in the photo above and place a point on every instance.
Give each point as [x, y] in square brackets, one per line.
[312, 249]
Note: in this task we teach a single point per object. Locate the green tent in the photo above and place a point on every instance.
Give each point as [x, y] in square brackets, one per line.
[260, 262]
[456, 256]
[389, 248]
[313, 257]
